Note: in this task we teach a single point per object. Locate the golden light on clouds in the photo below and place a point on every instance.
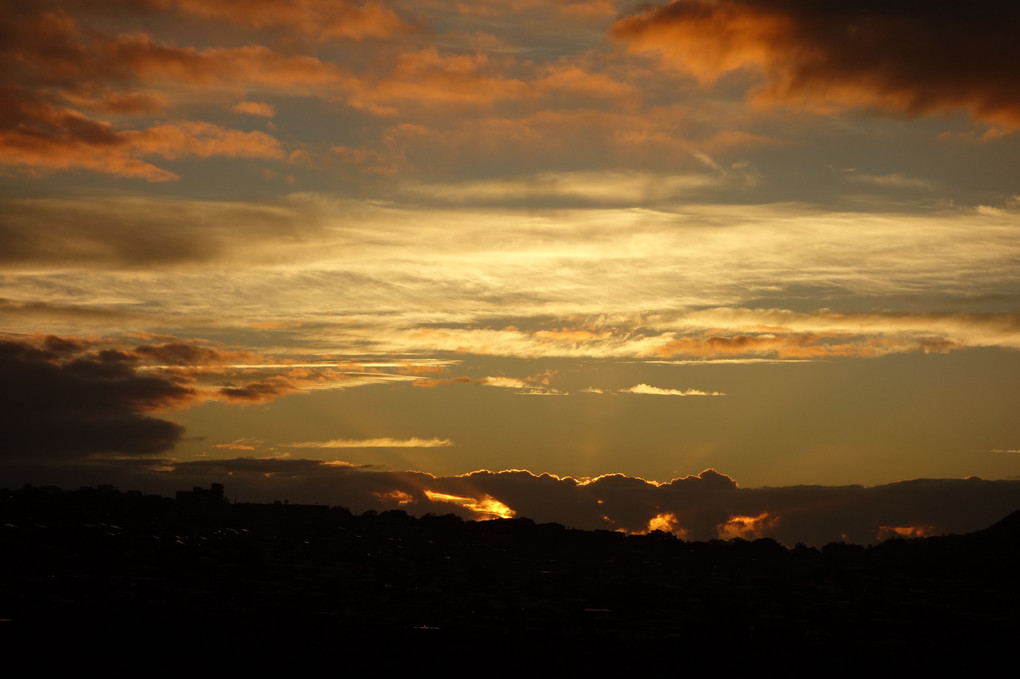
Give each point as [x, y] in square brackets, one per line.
[400, 496]
[887, 532]
[413, 442]
[746, 527]
[486, 507]
[668, 523]
[659, 391]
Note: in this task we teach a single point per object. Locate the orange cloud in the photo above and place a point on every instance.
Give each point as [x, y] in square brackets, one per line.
[189, 354]
[201, 140]
[253, 64]
[254, 108]
[400, 496]
[911, 58]
[432, 77]
[887, 532]
[668, 523]
[272, 387]
[441, 382]
[41, 152]
[57, 78]
[575, 80]
[422, 369]
[316, 19]
[486, 507]
[65, 139]
[745, 527]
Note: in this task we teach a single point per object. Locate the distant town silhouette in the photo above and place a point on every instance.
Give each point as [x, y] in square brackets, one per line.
[124, 562]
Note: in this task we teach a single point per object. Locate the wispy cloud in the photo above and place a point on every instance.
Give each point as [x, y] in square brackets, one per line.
[897, 181]
[413, 442]
[504, 382]
[659, 391]
[650, 267]
[254, 108]
[596, 187]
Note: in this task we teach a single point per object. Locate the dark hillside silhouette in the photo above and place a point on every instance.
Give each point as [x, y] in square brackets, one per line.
[99, 559]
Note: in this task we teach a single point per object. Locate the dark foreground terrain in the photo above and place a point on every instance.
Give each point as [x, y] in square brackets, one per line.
[134, 572]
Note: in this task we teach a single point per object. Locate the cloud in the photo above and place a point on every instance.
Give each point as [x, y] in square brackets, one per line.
[254, 108]
[180, 374]
[667, 522]
[441, 382]
[413, 442]
[201, 140]
[583, 186]
[482, 508]
[432, 78]
[299, 380]
[706, 506]
[153, 62]
[65, 140]
[677, 283]
[315, 19]
[59, 402]
[573, 79]
[116, 232]
[746, 527]
[887, 532]
[971, 136]
[241, 444]
[657, 391]
[537, 385]
[69, 91]
[897, 181]
[868, 333]
[260, 391]
[801, 345]
[190, 354]
[504, 382]
[903, 57]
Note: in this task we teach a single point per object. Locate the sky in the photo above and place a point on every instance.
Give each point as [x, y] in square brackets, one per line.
[403, 254]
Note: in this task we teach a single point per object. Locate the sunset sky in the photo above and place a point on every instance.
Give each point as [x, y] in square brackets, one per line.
[307, 248]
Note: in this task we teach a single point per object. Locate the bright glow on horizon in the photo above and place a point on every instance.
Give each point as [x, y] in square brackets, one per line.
[486, 507]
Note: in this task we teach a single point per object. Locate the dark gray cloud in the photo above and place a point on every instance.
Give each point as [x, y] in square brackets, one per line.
[137, 232]
[58, 403]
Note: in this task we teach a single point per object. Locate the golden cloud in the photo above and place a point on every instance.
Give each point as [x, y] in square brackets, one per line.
[315, 19]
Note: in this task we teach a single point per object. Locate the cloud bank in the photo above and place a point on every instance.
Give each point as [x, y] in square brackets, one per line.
[706, 506]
